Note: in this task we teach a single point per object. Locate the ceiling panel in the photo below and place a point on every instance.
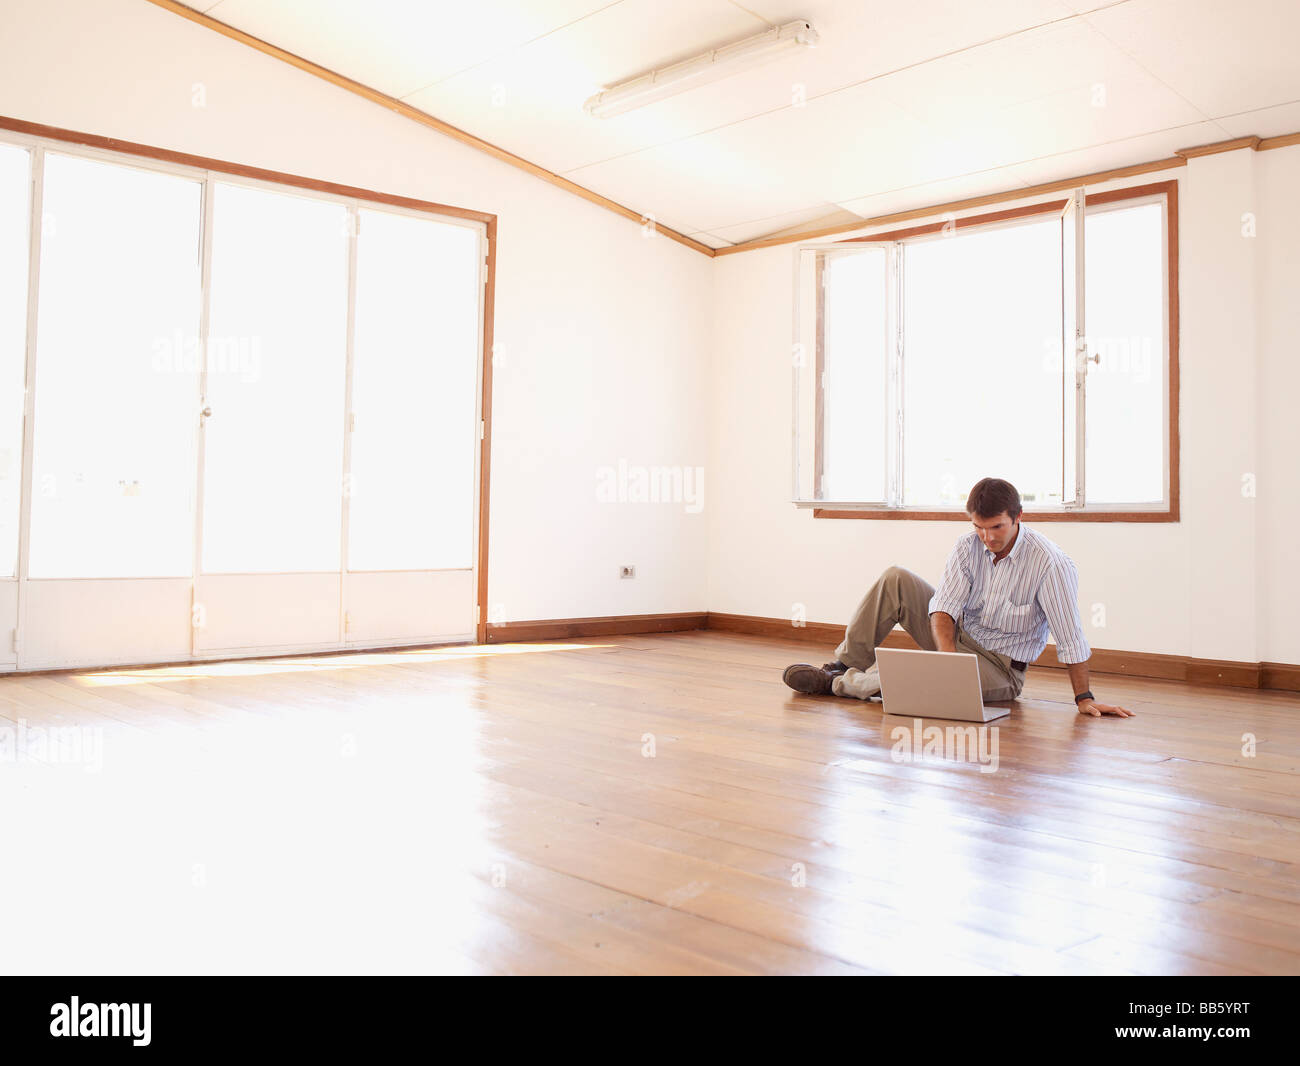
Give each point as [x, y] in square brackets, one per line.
[1224, 57]
[1080, 7]
[705, 180]
[1040, 63]
[808, 218]
[1149, 147]
[867, 38]
[935, 192]
[398, 46]
[710, 239]
[1055, 124]
[529, 100]
[1266, 122]
[847, 144]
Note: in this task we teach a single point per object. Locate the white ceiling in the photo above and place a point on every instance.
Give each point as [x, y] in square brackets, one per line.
[907, 103]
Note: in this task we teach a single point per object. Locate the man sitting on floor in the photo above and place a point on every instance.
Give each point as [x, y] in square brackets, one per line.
[1004, 586]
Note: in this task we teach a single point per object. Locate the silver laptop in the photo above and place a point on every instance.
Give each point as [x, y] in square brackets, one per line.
[933, 684]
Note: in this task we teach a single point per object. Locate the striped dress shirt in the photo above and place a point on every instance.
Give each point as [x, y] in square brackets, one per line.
[1010, 607]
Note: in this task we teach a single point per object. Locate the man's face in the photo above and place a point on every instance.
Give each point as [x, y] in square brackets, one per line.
[996, 533]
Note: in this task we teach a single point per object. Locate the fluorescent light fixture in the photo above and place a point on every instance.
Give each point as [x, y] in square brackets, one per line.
[702, 69]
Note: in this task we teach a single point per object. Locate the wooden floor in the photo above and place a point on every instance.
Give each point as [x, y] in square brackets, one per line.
[647, 804]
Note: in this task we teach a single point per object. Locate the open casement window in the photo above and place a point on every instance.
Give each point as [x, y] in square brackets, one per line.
[846, 375]
[929, 357]
[1074, 355]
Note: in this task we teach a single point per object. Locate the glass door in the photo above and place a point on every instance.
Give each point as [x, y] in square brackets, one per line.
[111, 487]
[272, 422]
[235, 417]
[15, 256]
[340, 426]
[412, 478]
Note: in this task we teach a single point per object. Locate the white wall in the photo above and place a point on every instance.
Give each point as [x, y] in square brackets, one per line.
[1188, 588]
[1219, 361]
[603, 333]
[1277, 515]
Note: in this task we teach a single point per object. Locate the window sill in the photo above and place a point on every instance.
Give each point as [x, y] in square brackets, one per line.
[895, 514]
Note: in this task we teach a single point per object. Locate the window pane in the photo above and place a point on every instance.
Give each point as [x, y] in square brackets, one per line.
[415, 389]
[15, 175]
[981, 329]
[273, 450]
[116, 381]
[1126, 326]
[1072, 324]
[855, 347]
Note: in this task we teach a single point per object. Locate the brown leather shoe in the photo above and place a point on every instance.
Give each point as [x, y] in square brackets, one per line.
[812, 680]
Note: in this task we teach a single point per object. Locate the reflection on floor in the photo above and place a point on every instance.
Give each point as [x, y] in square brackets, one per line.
[644, 804]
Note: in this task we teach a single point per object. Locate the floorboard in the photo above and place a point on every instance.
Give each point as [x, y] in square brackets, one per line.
[636, 804]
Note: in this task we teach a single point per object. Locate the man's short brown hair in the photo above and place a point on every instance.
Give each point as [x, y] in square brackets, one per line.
[991, 496]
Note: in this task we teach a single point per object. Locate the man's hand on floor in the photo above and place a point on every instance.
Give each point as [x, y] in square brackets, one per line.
[1096, 709]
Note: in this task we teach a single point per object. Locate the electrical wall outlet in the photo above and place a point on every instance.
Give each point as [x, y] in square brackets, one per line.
[627, 571]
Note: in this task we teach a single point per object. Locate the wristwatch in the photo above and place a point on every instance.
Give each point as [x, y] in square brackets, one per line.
[1084, 696]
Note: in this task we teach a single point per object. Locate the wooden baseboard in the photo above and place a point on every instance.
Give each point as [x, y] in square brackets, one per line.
[777, 628]
[1283, 676]
[612, 625]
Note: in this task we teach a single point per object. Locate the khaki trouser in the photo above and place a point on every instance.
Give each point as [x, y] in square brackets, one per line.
[901, 597]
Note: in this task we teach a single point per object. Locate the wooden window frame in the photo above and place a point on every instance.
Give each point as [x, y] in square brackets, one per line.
[36, 132]
[1167, 189]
